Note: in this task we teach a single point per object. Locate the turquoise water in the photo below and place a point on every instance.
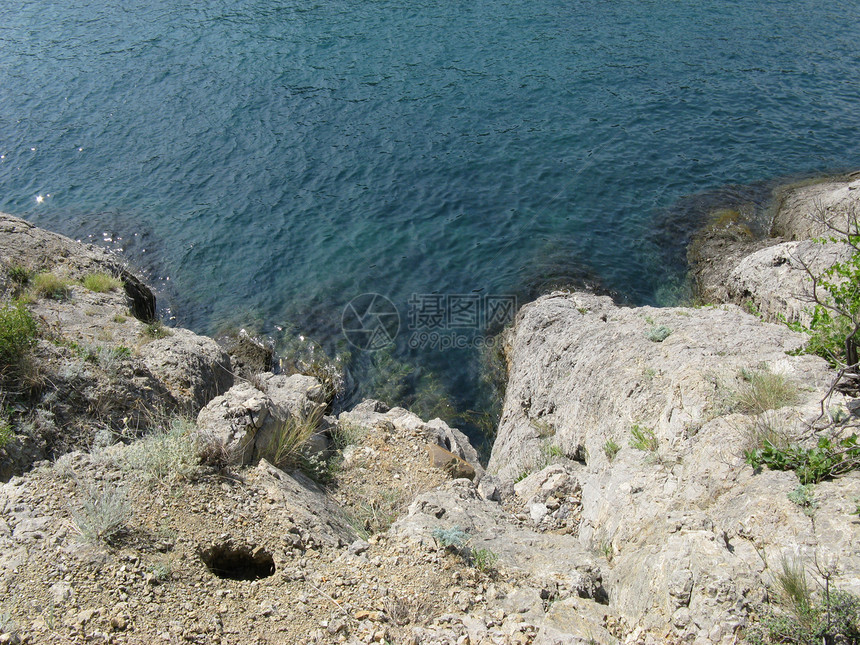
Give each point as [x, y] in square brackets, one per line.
[273, 160]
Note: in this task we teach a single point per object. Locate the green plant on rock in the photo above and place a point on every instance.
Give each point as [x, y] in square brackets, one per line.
[102, 514]
[643, 438]
[834, 328]
[827, 458]
[483, 559]
[6, 433]
[49, 285]
[18, 333]
[804, 497]
[155, 330]
[101, 282]
[288, 439]
[658, 334]
[453, 536]
[611, 449]
[761, 390]
[800, 618]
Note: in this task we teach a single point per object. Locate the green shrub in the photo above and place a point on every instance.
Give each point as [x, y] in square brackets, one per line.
[6, 433]
[155, 330]
[658, 334]
[804, 497]
[763, 390]
[170, 453]
[101, 282]
[345, 434]
[48, 285]
[20, 275]
[483, 559]
[643, 438]
[102, 514]
[453, 537]
[610, 449]
[827, 458]
[800, 619]
[17, 334]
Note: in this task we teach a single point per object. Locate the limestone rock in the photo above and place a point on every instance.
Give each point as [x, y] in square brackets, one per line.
[449, 462]
[193, 368]
[369, 412]
[244, 420]
[37, 249]
[679, 522]
[768, 273]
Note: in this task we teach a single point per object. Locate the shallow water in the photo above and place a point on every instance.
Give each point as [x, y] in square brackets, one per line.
[270, 161]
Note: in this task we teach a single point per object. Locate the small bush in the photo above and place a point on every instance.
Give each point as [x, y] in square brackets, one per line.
[827, 458]
[102, 515]
[101, 282]
[17, 334]
[155, 330]
[800, 619]
[168, 454]
[804, 497]
[20, 275]
[6, 434]
[762, 390]
[483, 559]
[610, 449]
[658, 334]
[453, 537]
[48, 285]
[346, 434]
[643, 438]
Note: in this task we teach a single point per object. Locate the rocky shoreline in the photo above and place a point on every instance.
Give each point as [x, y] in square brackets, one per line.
[616, 506]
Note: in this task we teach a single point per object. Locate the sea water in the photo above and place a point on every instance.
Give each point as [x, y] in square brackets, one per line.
[265, 162]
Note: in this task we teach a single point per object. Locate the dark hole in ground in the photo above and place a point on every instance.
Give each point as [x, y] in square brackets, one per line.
[238, 562]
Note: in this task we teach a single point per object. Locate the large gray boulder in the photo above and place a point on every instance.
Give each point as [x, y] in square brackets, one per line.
[244, 421]
[194, 368]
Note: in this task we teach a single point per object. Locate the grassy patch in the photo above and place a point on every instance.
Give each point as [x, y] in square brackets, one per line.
[376, 513]
[155, 330]
[284, 449]
[763, 390]
[17, 334]
[611, 449]
[101, 282]
[168, 454]
[48, 285]
[643, 438]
